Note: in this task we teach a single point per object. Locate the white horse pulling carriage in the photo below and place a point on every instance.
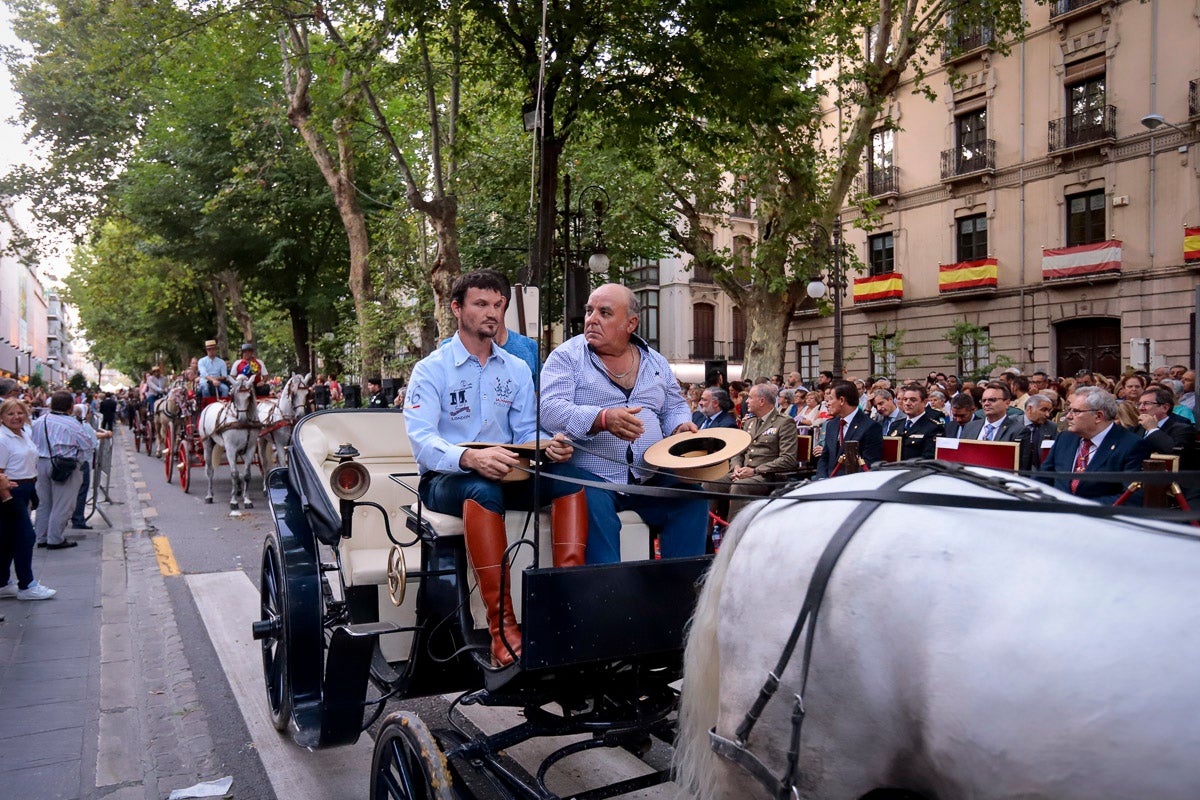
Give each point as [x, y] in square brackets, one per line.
[979, 636]
[278, 416]
[231, 428]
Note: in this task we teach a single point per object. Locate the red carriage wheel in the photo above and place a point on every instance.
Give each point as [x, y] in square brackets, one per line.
[185, 465]
[168, 456]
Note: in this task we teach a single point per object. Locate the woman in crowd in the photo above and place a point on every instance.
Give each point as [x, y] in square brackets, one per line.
[811, 412]
[18, 461]
[787, 403]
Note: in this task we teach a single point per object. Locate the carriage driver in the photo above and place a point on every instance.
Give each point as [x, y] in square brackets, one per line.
[471, 390]
[254, 369]
[213, 372]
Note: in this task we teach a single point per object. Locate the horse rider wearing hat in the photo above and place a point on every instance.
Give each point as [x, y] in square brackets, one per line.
[473, 391]
[213, 372]
[608, 390]
[253, 368]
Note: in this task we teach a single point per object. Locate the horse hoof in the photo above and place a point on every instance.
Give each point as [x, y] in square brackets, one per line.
[208, 499]
[247, 505]
[233, 507]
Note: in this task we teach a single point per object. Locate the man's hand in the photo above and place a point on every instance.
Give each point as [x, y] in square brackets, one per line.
[490, 462]
[103, 434]
[817, 450]
[743, 472]
[685, 427]
[559, 449]
[623, 423]
[1148, 422]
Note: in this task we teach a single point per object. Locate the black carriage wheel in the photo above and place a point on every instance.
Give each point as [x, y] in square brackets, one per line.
[185, 465]
[137, 432]
[408, 764]
[272, 602]
[168, 457]
[148, 436]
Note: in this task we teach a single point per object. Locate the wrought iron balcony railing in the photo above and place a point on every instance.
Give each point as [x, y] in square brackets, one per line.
[969, 159]
[968, 41]
[1083, 129]
[881, 180]
[1061, 7]
[706, 348]
[1194, 98]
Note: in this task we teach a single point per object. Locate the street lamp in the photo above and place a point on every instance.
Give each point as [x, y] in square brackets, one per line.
[1153, 121]
[576, 283]
[836, 279]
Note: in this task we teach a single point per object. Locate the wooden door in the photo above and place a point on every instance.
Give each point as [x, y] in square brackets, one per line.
[1091, 343]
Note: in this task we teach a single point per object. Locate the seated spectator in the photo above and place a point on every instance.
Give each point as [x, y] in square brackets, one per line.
[1093, 443]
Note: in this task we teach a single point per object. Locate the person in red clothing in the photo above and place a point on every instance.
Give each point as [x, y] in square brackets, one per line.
[253, 368]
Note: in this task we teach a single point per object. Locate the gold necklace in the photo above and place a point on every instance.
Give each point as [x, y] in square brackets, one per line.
[619, 376]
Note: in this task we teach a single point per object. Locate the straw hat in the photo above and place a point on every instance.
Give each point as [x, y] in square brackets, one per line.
[210, 343]
[524, 452]
[700, 456]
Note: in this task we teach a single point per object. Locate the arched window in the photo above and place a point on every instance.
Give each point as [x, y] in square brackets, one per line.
[737, 349]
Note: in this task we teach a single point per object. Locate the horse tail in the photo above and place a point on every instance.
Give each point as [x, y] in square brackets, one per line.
[694, 762]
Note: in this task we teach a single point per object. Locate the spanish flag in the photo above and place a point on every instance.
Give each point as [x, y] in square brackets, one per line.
[967, 275]
[879, 287]
[1191, 245]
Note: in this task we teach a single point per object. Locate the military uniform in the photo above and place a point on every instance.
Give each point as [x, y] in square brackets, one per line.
[772, 454]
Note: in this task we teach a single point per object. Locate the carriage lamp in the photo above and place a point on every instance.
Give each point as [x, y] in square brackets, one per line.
[345, 452]
[350, 480]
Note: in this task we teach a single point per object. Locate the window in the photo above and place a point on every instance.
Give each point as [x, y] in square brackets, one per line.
[883, 355]
[1085, 110]
[648, 319]
[741, 251]
[970, 131]
[741, 197]
[702, 272]
[973, 353]
[1085, 218]
[808, 362]
[881, 175]
[881, 254]
[972, 237]
[738, 346]
[643, 272]
[704, 317]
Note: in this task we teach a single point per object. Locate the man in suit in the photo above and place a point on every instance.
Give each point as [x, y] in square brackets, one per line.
[847, 424]
[997, 424]
[887, 413]
[1037, 429]
[771, 454]
[962, 412]
[1092, 443]
[1168, 433]
[918, 428]
[713, 411]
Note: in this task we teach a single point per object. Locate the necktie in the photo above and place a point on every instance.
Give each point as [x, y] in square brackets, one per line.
[841, 432]
[707, 423]
[989, 431]
[1081, 462]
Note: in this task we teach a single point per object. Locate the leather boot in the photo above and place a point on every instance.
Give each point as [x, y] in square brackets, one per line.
[486, 541]
[569, 529]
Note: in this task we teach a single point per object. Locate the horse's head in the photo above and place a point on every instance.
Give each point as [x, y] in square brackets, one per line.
[294, 398]
[241, 397]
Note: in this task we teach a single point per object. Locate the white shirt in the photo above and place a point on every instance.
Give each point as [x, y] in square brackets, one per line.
[18, 454]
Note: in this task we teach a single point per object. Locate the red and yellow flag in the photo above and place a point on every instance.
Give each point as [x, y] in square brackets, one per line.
[879, 287]
[967, 275]
[1191, 245]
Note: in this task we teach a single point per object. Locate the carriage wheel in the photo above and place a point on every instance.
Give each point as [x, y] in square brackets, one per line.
[272, 602]
[168, 457]
[185, 465]
[148, 437]
[408, 764]
[137, 433]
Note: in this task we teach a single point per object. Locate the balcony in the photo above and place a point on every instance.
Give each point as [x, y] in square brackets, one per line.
[968, 42]
[737, 350]
[1063, 10]
[706, 349]
[1083, 131]
[1194, 99]
[969, 161]
[883, 289]
[1084, 263]
[881, 181]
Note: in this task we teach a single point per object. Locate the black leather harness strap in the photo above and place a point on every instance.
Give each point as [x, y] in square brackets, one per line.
[735, 750]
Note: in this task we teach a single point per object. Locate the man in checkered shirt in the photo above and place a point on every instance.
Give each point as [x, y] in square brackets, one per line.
[614, 396]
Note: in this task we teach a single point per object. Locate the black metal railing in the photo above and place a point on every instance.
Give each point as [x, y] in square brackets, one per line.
[1083, 129]
[969, 159]
[969, 40]
[1061, 7]
[1194, 98]
[881, 180]
[706, 348]
[701, 273]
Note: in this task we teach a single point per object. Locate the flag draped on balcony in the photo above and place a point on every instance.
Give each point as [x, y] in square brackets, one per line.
[1084, 259]
[879, 287]
[1191, 245]
[967, 275]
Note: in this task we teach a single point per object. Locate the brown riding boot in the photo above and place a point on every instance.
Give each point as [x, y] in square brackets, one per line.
[486, 542]
[569, 529]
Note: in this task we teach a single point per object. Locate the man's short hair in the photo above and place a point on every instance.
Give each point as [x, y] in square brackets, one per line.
[375, 381]
[915, 387]
[714, 376]
[886, 394]
[1020, 383]
[963, 400]
[6, 386]
[62, 401]
[845, 390]
[1162, 395]
[721, 396]
[1043, 374]
[765, 391]
[1037, 400]
[1174, 384]
[1097, 399]
[1002, 387]
[827, 374]
[486, 279]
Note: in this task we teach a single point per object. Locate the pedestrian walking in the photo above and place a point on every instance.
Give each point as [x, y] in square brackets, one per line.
[18, 478]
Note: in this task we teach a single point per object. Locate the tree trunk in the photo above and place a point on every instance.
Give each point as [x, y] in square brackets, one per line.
[768, 315]
[447, 266]
[218, 298]
[299, 317]
[233, 291]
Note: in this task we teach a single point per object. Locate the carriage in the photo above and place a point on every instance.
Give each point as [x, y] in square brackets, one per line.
[366, 597]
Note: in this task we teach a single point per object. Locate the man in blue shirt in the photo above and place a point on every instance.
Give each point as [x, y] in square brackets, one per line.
[213, 372]
[520, 346]
[471, 390]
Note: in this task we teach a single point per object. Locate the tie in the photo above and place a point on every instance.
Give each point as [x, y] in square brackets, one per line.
[841, 432]
[1081, 462]
[989, 431]
[707, 422]
[1035, 444]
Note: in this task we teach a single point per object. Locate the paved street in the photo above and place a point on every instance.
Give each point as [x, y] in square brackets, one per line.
[140, 677]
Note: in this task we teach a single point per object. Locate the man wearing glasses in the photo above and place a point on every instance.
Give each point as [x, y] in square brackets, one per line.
[1166, 432]
[997, 424]
[1092, 443]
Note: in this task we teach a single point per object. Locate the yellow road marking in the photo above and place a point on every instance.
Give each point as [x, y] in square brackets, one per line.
[166, 558]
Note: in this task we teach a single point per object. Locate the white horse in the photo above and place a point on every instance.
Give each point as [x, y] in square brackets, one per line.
[231, 427]
[960, 652]
[169, 413]
[278, 416]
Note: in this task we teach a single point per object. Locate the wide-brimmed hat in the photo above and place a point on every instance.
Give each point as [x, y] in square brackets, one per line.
[210, 343]
[525, 454]
[700, 456]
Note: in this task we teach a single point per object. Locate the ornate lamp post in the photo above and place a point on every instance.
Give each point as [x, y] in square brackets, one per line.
[576, 281]
[836, 278]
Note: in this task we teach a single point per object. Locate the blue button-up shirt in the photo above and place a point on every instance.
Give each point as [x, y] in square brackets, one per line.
[574, 390]
[452, 399]
[214, 367]
[61, 435]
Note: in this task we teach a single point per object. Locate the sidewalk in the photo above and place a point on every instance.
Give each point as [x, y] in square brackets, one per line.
[96, 699]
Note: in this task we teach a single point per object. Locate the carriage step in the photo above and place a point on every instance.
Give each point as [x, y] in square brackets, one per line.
[370, 629]
[329, 566]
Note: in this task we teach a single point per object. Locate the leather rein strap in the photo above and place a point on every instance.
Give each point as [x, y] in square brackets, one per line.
[735, 749]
